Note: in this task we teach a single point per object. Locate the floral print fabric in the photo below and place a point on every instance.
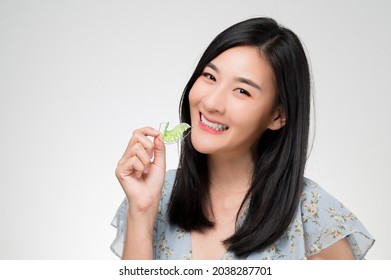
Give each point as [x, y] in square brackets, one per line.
[320, 221]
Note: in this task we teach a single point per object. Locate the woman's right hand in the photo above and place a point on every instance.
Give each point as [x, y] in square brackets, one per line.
[141, 178]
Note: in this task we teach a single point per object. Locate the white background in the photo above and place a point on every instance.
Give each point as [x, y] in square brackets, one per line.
[77, 77]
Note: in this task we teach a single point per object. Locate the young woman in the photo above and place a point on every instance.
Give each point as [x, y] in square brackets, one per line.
[239, 190]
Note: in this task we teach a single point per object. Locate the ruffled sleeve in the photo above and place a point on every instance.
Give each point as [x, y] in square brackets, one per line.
[325, 221]
[120, 218]
[119, 222]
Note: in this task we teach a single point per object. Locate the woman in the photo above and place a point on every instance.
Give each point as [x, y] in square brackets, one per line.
[239, 191]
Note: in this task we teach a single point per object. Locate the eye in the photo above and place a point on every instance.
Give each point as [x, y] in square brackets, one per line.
[242, 91]
[209, 76]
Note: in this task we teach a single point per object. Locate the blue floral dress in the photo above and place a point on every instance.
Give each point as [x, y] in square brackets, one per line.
[320, 221]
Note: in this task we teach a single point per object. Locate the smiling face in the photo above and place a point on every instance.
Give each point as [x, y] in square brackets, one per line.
[233, 102]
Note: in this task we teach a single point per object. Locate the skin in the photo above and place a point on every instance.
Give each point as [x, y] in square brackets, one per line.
[340, 250]
[237, 90]
[248, 109]
[221, 96]
[142, 181]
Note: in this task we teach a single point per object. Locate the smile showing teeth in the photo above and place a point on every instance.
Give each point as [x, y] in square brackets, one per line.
[212, 125]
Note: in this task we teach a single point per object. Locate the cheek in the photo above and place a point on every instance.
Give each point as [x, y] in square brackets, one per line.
[256, 125]
[191, 98]
[195, 95]
[193, 102]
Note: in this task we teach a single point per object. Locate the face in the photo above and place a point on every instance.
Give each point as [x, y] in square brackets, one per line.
[233, 102]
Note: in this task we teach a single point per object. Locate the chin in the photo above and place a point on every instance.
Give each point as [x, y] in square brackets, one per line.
[203, 146]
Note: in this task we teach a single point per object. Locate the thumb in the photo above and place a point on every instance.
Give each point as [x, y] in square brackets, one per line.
[159, 152]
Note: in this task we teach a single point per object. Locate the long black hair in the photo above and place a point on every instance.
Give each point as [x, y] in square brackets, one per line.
[279, 161]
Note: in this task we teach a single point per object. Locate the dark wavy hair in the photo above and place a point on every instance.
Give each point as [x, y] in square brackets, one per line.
[279, 161]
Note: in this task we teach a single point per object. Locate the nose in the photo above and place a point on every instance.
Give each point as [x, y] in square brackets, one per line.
[215, 100]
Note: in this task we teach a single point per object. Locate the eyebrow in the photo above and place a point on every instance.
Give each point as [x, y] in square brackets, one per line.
[238, 79]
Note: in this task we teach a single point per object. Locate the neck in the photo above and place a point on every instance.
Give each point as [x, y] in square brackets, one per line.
[229, 182]
[230, 174]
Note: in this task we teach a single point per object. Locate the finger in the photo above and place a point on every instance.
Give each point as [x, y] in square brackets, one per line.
[143, 155]
[159, 152]
[129, 166]
[140, 136]
[138, 174]
[146, 131]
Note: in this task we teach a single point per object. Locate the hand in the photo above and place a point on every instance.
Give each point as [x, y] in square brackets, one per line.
[141, 178]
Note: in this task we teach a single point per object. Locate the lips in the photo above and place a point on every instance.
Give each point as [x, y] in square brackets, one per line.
[213, 125]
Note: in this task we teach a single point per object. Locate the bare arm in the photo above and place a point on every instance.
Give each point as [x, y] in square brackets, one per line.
[142, 181]
[139, 238]
[340, 250]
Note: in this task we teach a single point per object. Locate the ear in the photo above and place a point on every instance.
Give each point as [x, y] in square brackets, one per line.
[279, 118]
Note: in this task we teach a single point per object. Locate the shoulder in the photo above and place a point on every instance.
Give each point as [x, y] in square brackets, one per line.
[320, 209]
[326, 223]
[314, 196]
[311, 186]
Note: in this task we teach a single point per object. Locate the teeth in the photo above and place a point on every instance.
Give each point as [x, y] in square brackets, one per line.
[215, 126]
